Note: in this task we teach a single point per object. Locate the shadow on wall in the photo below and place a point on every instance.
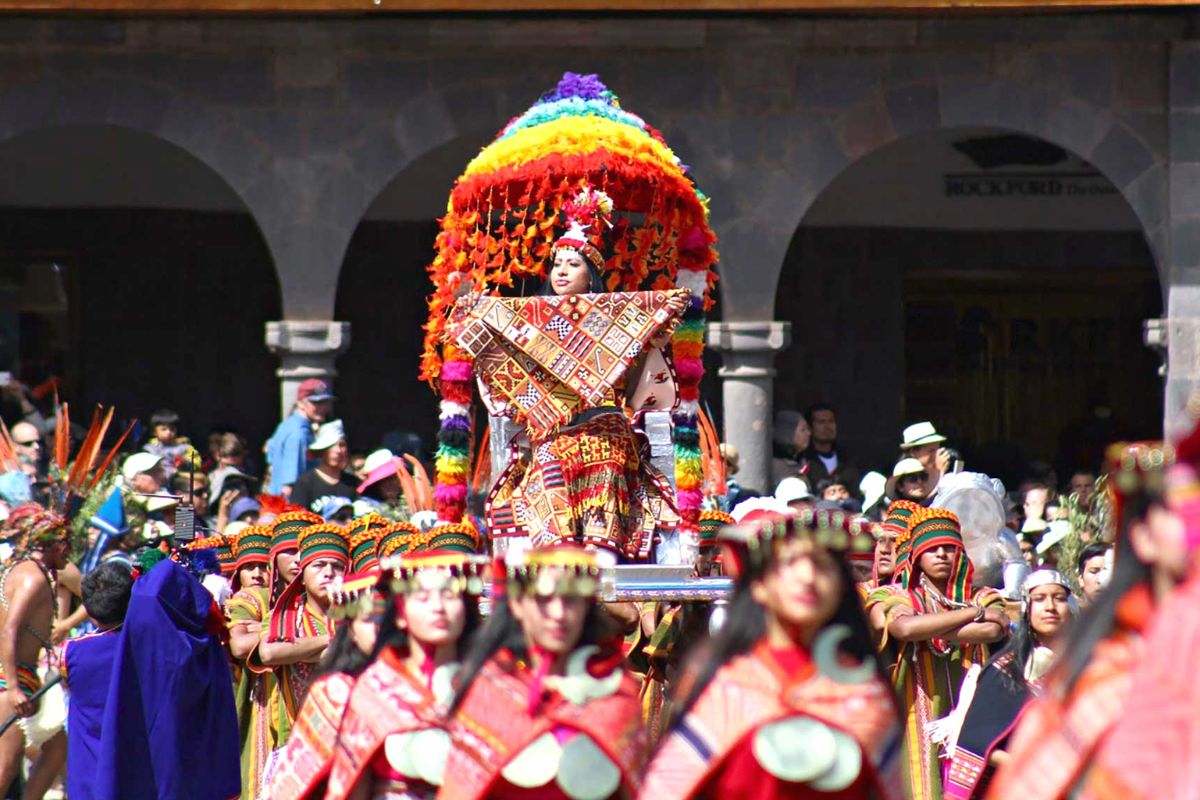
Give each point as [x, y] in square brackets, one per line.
[165, 308]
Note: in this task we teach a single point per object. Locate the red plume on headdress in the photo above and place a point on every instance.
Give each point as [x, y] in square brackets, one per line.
[587, 210]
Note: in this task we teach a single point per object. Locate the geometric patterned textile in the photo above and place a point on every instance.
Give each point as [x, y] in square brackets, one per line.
[546, 358]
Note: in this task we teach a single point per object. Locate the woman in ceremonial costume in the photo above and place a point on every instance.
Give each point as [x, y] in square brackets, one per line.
[1059, 734]
[789, 700]
[1152, 752]
[262, 718]
[564, 365]
[543, 708]
[302, 768]
[300, 628]
[991, 697]
[393, 743]
[499, 233]
[941, 629]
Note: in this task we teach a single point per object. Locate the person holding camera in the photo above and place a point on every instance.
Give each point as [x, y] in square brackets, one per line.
[923, 443]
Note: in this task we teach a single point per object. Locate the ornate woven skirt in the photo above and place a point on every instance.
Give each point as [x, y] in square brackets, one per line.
[587, 484]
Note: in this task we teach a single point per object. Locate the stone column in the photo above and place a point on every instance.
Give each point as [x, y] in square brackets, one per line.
[1178, 338]
[306, 349]
[747, 385]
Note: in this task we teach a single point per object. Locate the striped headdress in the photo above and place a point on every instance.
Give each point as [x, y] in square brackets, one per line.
[364, 555]
[396, 539]
[252, 546]
[895, 521]
[461, 537]
[325, 540]
[930, 528]
[285, 531]
[711, 522]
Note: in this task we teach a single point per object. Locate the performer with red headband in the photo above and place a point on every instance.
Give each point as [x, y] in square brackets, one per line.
[543, 708]
[942, 629]
[565, 365]
[300, 626]
[393, 742]
[789, 700]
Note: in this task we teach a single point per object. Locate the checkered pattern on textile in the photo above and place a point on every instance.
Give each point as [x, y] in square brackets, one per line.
[552, 357]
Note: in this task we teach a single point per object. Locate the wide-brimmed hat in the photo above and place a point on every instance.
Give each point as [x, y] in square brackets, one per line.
[379, 466]
[243, 505]
[907, 466]
[920, 433]
[328, 435]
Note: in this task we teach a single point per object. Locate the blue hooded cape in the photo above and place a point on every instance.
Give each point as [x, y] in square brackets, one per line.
[170, 731]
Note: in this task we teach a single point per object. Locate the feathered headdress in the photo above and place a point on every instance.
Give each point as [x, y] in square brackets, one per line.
[586, 214]
[72, 479]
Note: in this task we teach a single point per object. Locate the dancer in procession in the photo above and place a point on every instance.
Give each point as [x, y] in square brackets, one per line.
[263, 721]
[302, 768]
[87, 672]
[300, 627]
[940, 627]
[169, 723]
[883, 567]
[28, 609]
[789, 700]
[1151, 750]
[393, 742]
[543, 707]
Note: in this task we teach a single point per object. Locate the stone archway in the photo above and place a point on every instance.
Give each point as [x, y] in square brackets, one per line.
[381, 293]
[145, 268]
[993, 283]
[842, 109]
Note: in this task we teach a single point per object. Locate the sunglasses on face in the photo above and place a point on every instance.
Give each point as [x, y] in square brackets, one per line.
[29, 443]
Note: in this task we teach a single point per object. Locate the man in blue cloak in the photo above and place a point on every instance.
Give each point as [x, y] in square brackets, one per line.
[170, 731]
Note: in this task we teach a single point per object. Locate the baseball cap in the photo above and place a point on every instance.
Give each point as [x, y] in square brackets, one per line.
[314, 389]
[791, 489]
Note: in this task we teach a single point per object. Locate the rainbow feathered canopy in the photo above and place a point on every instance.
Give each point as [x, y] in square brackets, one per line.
[501, 222]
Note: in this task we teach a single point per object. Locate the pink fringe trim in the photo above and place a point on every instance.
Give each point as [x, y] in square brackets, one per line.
[456, 371]
[689, 370]
[688, 498]
[450, 493]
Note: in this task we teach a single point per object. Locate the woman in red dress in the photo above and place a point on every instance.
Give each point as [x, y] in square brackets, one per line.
[393, 743]
[789, 700]
[544, 708]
